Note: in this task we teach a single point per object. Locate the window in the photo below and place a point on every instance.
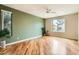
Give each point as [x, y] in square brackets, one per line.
[58, 25]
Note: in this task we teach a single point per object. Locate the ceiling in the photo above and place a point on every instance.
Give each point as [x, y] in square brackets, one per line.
[40, 9]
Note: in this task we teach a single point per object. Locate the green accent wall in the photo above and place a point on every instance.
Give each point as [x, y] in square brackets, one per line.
[24, 25]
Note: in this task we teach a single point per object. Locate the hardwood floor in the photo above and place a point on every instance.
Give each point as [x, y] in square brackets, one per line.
[43, 46]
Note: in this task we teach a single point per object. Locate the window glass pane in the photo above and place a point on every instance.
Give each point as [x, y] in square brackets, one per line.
[59, 25]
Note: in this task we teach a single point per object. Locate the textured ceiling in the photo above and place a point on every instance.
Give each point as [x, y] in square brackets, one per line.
[40, 9]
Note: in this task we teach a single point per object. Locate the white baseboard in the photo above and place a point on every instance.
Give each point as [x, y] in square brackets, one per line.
[24, 40]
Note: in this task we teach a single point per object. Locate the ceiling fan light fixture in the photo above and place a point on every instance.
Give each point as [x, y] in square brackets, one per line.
[49, 11]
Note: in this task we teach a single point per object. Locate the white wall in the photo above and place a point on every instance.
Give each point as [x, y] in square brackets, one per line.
[78, 28]
[71, 26]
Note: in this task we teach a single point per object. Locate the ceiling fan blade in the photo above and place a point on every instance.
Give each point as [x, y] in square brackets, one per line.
[53, 12]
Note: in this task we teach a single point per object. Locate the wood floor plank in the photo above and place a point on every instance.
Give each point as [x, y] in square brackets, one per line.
[46, 45]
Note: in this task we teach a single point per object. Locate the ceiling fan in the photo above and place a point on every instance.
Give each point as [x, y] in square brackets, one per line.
[49, 11]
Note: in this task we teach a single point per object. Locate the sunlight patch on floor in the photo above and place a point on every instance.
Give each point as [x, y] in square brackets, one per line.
[59, 47]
